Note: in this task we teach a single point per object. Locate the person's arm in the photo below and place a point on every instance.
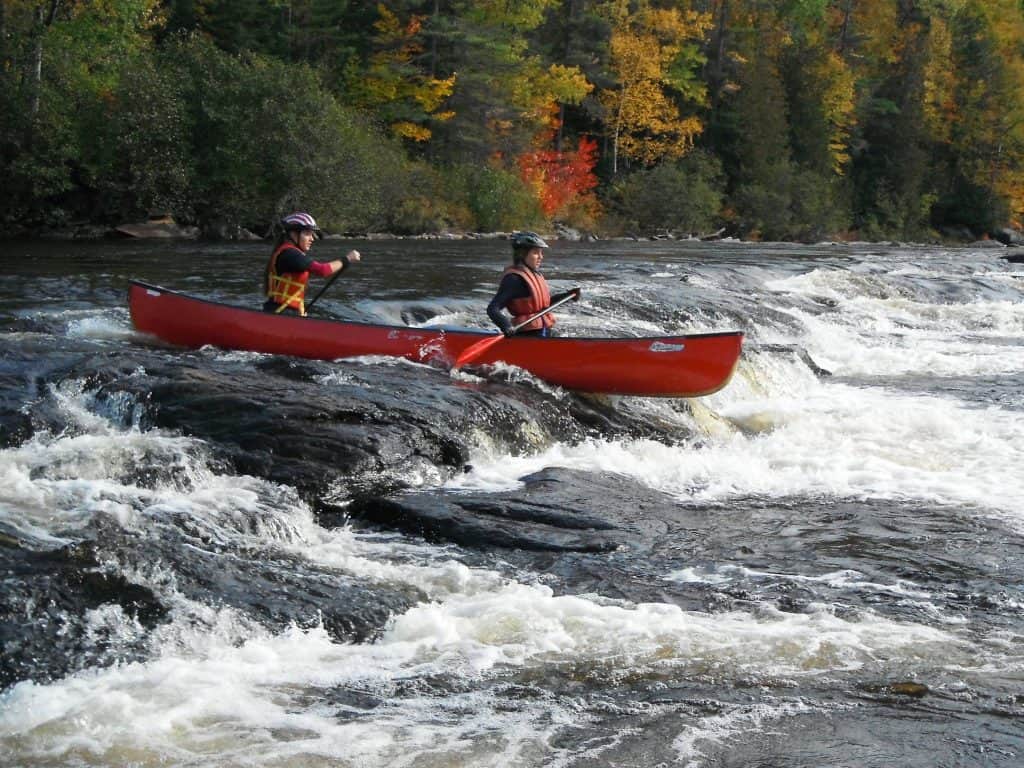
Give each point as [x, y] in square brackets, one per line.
[325, 268]
[574, 292]
[511, 287]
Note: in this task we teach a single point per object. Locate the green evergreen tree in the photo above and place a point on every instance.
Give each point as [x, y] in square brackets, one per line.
[763, 193]
[891, 170]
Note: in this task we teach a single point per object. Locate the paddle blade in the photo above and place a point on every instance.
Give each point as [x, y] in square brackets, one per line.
[476, 349]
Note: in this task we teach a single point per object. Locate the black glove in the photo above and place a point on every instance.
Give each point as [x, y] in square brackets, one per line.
[507, 329]
[575, 293]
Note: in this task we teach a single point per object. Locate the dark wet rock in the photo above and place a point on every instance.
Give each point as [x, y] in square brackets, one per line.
[27, 369]
[44, 631]
[276, 587]
[513, 525]
[1014, 258]
[1009, 236]
[555, 510]
[414, 314]
[285, 425]
[797, 350]
[288, 428]
[309, 424]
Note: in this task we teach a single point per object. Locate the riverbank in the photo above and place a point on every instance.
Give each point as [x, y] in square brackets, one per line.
[164, 227]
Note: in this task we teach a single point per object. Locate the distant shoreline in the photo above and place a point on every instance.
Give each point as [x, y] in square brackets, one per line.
[95, 233]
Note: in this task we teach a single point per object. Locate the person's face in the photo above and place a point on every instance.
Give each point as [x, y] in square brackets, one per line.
[304, 239]
[534, 258]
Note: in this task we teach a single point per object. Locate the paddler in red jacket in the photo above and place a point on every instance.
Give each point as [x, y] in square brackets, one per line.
[288, 270]
[523, 291]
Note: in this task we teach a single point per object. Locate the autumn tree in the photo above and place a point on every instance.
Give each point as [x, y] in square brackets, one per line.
[820, 90]
[405, 96]
[982, 112]
[505, 92]
[655, 61]
[891, 166]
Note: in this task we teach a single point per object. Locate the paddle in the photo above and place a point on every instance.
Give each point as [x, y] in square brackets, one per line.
[327, 285]
[476, 349]
[348, 258]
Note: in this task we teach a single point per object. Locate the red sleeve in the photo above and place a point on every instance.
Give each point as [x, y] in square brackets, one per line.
[321, 269]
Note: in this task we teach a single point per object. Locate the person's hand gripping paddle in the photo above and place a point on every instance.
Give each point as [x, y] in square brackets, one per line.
[473, 351]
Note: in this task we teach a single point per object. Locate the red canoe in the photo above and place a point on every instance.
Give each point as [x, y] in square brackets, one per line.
[658, 366]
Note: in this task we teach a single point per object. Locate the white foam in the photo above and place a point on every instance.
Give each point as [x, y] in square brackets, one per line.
[842, 580]
[831, 440]
[269, 698]
[737, 720]
[878, 331]
[104, 327]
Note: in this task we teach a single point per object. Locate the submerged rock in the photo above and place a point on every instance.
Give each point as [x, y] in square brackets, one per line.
[555, 510]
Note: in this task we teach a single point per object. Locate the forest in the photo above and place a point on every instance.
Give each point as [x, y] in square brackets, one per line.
[794, 120]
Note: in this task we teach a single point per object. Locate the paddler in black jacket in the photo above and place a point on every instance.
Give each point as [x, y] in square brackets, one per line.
[287, 272]
[523, 291]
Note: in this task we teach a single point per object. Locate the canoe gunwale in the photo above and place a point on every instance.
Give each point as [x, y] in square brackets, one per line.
[690, 365]
[386, 326]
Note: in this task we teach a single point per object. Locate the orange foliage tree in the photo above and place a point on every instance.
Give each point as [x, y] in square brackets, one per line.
[561, 179]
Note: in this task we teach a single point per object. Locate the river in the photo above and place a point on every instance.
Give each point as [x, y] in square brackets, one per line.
[233, 559]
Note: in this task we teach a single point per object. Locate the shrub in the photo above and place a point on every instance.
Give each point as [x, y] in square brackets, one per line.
[497, 199]
[684, 196]
[144, 162]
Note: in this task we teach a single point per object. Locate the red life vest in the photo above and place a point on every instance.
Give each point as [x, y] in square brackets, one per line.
[538, 300]
[288, 289]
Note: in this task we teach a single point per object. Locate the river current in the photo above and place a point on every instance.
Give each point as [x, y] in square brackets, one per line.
[215, 558]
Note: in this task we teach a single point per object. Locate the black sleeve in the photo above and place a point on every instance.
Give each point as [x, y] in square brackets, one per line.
[512, 286]
[293, 260]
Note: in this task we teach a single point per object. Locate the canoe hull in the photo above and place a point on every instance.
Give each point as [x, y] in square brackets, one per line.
[662, 366]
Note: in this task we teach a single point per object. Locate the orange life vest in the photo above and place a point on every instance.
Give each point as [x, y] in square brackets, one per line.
[538, 300]
[288, 289]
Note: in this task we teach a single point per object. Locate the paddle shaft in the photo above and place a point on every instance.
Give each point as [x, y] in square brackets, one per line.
[476, 349]
[330, 282]
[543, 312]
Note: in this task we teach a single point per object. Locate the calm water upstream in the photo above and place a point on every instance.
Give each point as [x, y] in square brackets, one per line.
[214, 558]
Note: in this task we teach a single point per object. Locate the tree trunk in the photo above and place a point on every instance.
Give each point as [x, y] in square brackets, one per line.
[43, 22]
[844, 29]
[716, 73]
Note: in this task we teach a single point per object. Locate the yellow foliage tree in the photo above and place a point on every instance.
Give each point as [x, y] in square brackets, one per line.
[652, 63]
[537, 92]
[838, 102]
[1005, 116]
[407, 98]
